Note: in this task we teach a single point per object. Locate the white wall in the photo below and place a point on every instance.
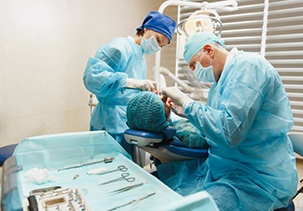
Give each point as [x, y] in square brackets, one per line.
[44, 46]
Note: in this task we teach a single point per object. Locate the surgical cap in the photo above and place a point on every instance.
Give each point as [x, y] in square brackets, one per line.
[159, 22]
[197, 41]
[146, 112]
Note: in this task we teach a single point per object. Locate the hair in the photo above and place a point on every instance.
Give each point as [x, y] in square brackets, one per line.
[140, 33]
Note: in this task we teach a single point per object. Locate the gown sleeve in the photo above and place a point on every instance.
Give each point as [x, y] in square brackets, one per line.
[104, 74]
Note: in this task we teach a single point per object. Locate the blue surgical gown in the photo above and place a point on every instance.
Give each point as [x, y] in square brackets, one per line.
[105, 76]
[251, 165]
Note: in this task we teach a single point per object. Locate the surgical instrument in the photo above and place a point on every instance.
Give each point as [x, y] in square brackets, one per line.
[119, 168]
[124, 176]
[76, 176]
[121, 190]
[105, 160]
[133, 201]
[59, 199]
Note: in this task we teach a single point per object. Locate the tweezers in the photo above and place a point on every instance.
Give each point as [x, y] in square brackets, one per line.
[121, 190]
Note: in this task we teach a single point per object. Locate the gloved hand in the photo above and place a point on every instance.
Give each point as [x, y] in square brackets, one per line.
[144, 85]
[177, 97]
[179, 110]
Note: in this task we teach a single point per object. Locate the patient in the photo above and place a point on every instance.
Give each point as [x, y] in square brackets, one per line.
[147, 112]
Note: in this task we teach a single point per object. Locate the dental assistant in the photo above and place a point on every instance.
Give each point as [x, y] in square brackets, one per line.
[119, 64]
[251, 163]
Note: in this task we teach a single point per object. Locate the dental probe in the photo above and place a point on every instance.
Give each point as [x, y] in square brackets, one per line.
[105, 160]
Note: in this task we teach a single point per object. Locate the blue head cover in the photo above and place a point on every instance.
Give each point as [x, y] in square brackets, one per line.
[146, 112]
[197, 41]
[159, 22]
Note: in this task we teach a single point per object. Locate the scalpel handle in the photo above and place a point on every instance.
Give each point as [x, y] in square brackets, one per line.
[105, 160]
[71, 167]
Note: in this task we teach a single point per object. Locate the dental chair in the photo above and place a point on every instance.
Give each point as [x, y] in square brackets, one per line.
[164, 146]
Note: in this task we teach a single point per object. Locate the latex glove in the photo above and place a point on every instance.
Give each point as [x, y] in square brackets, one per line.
[144, 85]
[177, 97]
[179, 110]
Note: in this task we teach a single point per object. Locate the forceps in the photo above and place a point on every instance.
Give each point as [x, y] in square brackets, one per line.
[121, 190]
[124, 176]
[119, 168]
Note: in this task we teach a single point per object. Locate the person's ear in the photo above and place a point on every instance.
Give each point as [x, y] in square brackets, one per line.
[208, 49]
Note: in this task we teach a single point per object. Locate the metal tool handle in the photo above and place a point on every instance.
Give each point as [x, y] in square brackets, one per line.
[128, 179]
[133, 201]
[127, 188]
[105, 160]
[123, 177]
[71, 167]
[110, 181]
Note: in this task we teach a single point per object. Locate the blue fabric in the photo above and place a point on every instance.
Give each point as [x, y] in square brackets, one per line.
[251, 165]
[188, 134]
[6, 152]
[159, 22]
[197, 41]
[105, 76]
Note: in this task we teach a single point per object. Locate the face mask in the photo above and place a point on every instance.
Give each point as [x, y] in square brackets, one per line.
[150, 45]
[204, 74]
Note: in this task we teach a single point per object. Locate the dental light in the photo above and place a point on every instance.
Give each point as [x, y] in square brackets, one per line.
[205, 18]
[201, 20]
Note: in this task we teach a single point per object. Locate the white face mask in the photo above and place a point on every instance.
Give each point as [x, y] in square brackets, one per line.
[150, 45]
[205, 74]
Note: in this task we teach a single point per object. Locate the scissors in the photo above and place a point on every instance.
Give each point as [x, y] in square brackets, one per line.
[124, 176]
[119, 168]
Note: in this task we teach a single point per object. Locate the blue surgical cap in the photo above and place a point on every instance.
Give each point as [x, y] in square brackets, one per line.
[197, 41]
[159, 22]
[146, 112]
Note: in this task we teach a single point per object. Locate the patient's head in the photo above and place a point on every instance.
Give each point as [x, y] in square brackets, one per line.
[146, 111]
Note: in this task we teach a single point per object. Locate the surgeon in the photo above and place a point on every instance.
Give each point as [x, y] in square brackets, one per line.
[251, 163]
[118, 72]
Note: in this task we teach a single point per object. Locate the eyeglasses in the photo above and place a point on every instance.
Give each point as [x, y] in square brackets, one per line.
[192, 64]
